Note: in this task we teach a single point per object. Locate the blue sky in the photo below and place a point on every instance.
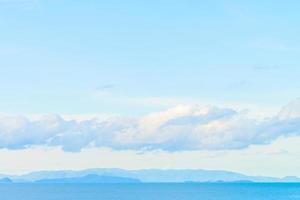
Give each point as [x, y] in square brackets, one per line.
[159, 62]
[55, 54]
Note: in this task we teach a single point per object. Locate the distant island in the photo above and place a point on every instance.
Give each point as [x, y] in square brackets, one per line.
[137, 176]
[91, 178]
[5, 180]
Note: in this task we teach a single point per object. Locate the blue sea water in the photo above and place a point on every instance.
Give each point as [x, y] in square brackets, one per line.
[163, 191]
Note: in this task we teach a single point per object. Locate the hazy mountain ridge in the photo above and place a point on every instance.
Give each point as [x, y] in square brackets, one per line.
[5, 180]
[149, 175]
[91, 178]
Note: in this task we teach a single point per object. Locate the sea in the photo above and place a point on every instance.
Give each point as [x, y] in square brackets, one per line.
[149, 191]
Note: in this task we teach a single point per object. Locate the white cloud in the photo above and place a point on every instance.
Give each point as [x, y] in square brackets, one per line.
[292, 110]
[184, 127]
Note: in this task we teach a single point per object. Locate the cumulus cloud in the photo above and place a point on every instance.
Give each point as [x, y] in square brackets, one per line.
[292, 110]
[184, 127]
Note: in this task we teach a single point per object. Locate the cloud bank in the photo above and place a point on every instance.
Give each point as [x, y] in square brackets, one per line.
[184, 127]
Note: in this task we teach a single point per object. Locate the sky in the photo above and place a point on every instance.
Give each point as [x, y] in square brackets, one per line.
[150, 84]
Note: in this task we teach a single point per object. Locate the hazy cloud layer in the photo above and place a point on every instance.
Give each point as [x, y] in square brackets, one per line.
[184, 127]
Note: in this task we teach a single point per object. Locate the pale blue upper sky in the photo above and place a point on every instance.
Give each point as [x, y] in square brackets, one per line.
[57, 55]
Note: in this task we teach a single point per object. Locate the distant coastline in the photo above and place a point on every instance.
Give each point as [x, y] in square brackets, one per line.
[141, 176]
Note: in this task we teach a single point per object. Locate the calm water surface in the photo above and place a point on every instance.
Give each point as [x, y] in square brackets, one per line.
[187, 191]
